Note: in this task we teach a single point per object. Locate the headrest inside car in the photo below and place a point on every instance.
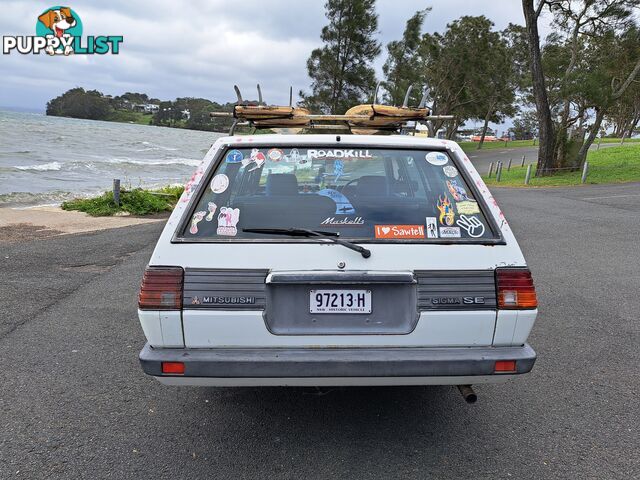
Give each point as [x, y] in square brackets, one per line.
[372, 185]
[281, 184]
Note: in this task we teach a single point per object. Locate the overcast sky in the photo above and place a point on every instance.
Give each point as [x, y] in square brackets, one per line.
[201, 48]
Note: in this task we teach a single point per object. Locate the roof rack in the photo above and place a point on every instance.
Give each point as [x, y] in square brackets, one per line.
[371, 118]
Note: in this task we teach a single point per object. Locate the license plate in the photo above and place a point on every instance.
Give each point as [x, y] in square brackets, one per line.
[340, 301]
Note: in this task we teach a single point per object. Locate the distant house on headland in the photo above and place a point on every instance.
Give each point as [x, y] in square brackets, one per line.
[146, 107]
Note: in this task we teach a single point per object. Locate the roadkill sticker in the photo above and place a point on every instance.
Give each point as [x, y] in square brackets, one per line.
[449, 232]
[399, 231]
[436, 158]
[338, 154]
[469, 207]
[227, 220]
[432, 227]
[343, 222]
[197, 218]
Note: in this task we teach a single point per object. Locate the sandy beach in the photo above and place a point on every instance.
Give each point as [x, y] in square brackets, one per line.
[18, 224]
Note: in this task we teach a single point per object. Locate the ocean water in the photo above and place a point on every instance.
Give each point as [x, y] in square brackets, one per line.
[46, 160]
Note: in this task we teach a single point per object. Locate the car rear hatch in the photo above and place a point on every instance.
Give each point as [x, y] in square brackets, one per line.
[430, 279]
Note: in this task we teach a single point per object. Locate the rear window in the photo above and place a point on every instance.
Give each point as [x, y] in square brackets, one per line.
[364, 194]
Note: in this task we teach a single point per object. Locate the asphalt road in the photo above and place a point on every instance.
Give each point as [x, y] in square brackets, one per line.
[75, 404]
[482, 158]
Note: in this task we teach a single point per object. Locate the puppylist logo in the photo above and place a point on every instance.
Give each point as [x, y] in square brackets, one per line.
[59, 32]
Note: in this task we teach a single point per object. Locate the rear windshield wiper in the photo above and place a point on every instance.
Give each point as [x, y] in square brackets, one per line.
[303, 232]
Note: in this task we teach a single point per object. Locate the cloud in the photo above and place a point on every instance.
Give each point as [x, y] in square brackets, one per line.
[200, 48]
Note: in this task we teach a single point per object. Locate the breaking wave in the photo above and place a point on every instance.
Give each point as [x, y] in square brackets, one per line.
[45, 167]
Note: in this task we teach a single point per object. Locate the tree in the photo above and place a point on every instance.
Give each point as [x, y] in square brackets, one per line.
[468, 72]
[497, 83]
[340, 70]
[78, 103]
[587, 65]
[403, 67]
[525, 126]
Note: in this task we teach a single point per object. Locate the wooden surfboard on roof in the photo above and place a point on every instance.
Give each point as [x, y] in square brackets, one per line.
[371, 118]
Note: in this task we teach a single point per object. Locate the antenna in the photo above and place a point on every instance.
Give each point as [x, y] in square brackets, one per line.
[405, 103]
[260, 102]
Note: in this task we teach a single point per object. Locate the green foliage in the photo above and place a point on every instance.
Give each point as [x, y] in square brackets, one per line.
[340, 70]
[135, 202]
[470, 72]
[403, 67]
[525, 126]
[78, 103]
[608, 165]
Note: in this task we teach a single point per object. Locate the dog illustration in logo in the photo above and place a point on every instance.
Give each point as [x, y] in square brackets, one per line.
[58, 21]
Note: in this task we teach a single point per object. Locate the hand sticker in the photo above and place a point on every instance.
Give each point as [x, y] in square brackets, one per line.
[472, 226]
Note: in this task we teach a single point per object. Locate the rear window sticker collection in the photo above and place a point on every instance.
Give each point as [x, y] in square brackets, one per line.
[445, 225]
[227, 220]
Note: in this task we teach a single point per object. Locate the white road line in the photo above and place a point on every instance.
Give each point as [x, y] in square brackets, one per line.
[612, 196]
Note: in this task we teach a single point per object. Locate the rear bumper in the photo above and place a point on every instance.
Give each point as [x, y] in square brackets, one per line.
[326, 363]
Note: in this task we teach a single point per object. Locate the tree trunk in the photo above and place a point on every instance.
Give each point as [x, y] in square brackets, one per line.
[584, 149]
[546, 134]
[484, 129]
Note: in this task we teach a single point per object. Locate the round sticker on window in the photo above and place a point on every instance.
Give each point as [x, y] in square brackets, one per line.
[450, 171]
[436, 158]
[234, 156]
[219, 183]
[275, 154]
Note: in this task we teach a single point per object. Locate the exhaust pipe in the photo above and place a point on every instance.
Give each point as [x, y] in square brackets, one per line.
[468, 394]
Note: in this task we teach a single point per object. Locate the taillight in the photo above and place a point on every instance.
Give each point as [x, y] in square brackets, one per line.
[161, 289]
[515, 289]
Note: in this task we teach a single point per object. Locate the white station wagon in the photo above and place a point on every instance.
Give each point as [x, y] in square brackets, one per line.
[316, 260]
